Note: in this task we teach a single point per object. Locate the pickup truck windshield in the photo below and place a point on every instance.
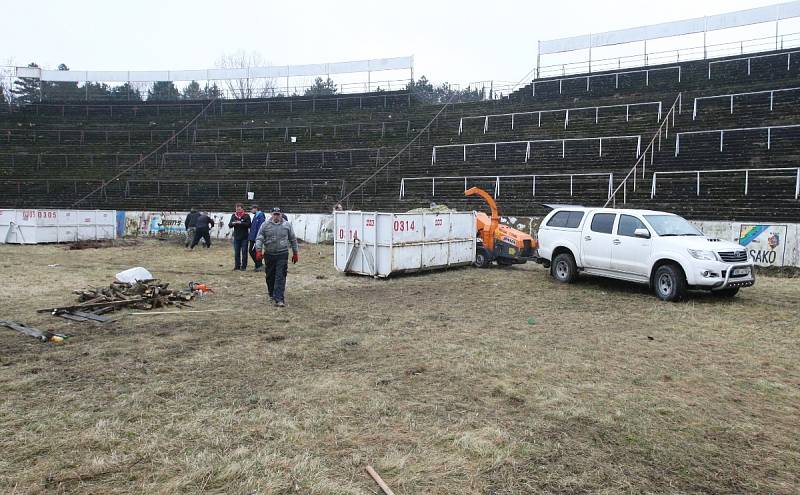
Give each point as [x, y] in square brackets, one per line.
[671, 225]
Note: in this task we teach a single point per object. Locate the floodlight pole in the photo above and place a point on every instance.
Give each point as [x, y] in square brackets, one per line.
[776, 31]
[705, 33]
[590, 53]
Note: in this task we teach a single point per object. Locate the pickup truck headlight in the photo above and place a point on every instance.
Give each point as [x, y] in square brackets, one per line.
[700, 254]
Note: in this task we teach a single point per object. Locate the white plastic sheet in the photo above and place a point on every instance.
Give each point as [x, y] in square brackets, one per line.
[728, 20]
[395, 63]
[134, 274]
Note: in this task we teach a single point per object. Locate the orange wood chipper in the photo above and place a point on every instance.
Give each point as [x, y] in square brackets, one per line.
[496, 242]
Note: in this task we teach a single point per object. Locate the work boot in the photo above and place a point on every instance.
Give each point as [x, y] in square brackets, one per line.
[280, 304]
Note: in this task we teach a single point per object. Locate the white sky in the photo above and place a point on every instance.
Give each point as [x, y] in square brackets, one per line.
[457, 41]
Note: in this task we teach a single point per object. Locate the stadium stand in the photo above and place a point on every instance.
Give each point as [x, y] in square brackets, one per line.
[556, 140]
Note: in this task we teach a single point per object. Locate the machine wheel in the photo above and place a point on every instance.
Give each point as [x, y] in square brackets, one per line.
[482, 258]
[726, 292]
[669, 283]
[564, 268]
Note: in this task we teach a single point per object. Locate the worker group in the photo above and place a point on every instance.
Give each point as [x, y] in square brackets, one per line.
[265, 241]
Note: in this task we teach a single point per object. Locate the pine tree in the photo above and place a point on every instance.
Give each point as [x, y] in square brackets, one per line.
[61, 90]
[321, 88]
[26, 89]
[125, 92]
[193, 92]
[212, 91]
[163, 90]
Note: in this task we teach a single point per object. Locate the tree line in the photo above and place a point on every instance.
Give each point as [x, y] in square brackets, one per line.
[27, 90]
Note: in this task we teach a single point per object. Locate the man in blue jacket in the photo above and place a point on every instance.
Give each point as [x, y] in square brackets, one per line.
[258, 219]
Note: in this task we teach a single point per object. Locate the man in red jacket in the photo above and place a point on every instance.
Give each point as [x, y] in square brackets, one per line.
[240, 223]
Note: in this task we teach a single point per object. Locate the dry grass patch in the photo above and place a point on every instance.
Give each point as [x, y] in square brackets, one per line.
[464, 381]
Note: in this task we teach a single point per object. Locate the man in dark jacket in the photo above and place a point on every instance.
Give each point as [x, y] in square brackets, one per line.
[202, 229]
[191, 219]
[240, 223]
[258, 219]
[273, 241]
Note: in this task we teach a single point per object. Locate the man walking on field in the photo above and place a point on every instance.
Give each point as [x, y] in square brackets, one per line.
[273, 241]
[203, 226]
[255, 226]
[189, 223]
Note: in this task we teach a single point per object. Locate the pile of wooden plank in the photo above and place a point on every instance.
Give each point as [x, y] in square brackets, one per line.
[144, 294]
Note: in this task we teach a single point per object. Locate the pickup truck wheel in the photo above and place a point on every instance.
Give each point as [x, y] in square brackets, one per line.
[669, 283]
[481, 258]
[564, 268]
[726, 292]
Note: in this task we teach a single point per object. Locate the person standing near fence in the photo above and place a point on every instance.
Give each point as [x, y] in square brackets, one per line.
[258, 219]
[273, 241]
[189, 223]
[240, 223]
[202, 229]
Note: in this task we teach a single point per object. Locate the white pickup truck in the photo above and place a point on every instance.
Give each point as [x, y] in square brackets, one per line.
[660, 249]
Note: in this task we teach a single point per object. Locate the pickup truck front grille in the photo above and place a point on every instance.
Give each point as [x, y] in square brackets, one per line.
[733, 256]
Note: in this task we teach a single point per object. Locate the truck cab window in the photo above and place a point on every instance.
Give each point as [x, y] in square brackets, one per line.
[603, 223]
[559, 219]
[568, 219]
[628, 224]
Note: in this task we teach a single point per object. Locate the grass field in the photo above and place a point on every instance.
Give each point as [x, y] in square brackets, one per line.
[465, 381]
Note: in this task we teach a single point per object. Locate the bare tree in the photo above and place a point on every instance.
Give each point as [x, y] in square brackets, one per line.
[6, 80]
[247, 87]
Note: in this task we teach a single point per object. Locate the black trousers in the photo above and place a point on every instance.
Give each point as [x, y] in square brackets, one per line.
[252, 251]
[204, 234]
[277, 266]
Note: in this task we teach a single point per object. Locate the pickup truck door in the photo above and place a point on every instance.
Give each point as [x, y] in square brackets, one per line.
[597, 240]
[630, 254]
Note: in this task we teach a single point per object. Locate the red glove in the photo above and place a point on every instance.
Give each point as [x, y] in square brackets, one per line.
[295, 258]
[259, 255]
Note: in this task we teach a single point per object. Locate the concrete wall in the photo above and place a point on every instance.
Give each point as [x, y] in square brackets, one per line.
[311, 228]
[768, 244]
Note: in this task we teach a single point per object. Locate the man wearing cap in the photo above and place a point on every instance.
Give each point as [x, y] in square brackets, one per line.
[258, 219]
[273, 241]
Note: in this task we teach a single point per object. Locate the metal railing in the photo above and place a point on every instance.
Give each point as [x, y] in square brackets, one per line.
[566, 111]
[218, 185]
[746, 172]
[265, 156]
[497, 178]
[655, 142]
[528, 144]
[616, 75]
[732, 130]
[739, 47]
[749, 61]
[731, 96]
[155, 107]
[149, 135]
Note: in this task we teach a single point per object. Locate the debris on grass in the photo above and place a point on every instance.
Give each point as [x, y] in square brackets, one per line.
[144, 295]
[379, 481]
[100, 244]
[41, 335]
